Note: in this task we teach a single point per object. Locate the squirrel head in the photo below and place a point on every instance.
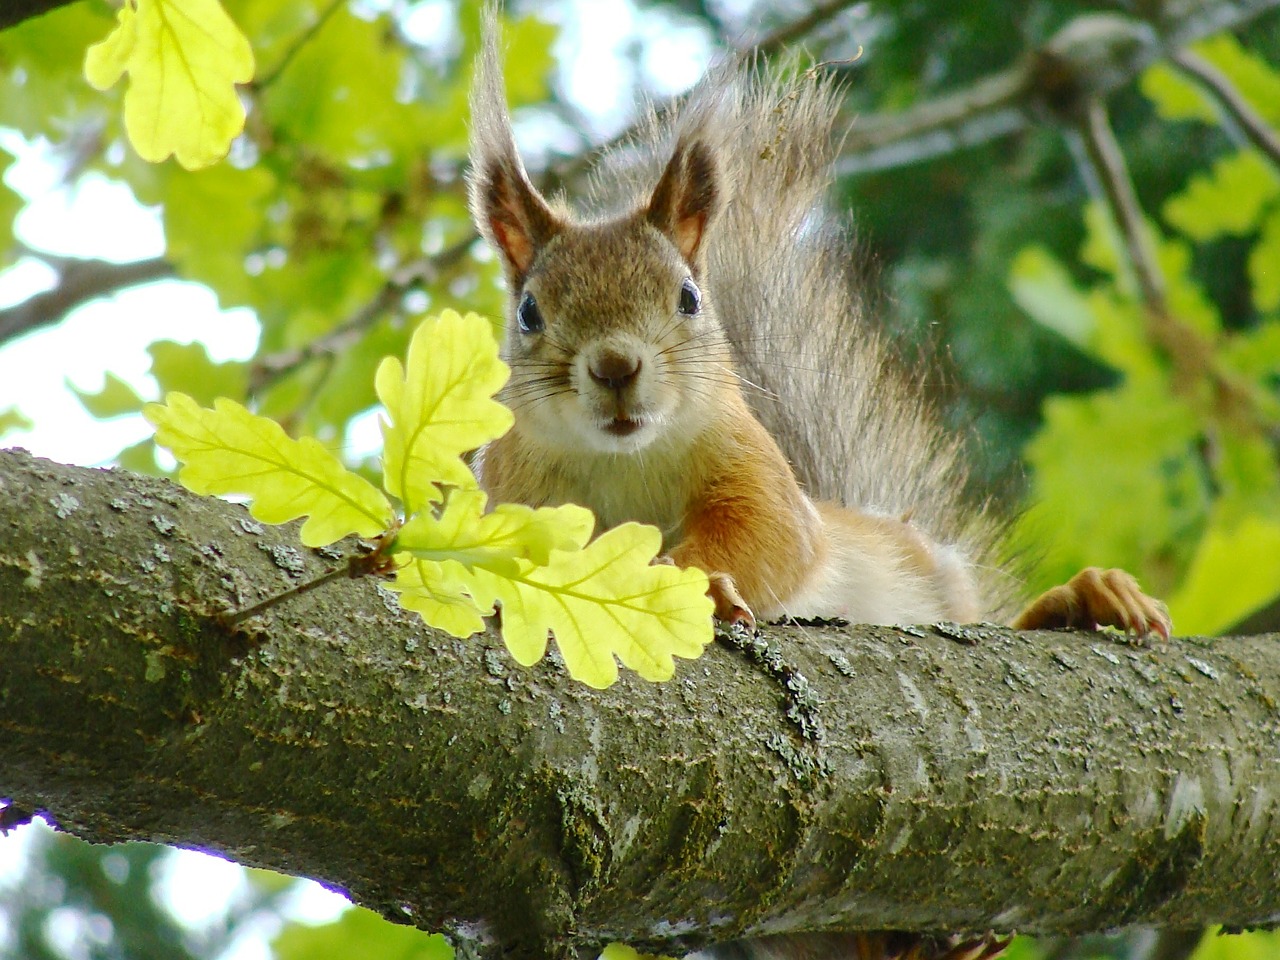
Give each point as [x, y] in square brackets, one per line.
[612, 339]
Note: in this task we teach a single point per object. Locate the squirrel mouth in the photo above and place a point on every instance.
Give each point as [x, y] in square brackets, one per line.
[622, 426]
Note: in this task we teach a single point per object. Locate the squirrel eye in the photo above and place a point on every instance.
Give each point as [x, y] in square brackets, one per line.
[690, 297]
[528, 316]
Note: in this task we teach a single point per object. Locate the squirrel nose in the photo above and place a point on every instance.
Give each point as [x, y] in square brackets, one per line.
[614, 370]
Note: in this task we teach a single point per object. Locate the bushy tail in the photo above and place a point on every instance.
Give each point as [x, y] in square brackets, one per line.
[784, 275]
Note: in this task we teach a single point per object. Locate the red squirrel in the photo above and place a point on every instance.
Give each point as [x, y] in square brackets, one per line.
[666, 347]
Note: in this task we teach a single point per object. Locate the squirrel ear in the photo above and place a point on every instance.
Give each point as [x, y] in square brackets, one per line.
[686, 198]
[507, 210]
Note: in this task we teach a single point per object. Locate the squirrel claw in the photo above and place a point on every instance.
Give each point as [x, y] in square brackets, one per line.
[730, 607]
[1098, 598]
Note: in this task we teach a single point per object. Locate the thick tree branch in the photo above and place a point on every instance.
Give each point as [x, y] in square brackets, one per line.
[961, 778]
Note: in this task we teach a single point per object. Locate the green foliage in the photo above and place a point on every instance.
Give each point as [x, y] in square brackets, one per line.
[42, 86]
[359, 935]
[106, 900]
[1186, 433]
[1258, 945]
[456, 562]
[1229, 200]
[115, 399]
[12, 419]
[187, 366]
[349, 183]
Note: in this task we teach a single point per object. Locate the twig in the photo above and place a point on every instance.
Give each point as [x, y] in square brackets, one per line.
[1190, 352]
[79, 281]
[789, 33]
[990, 108]
[239, 616]
[1229, 99]
[270, 368]
[1182, 22]
[1108, 165]
[361, 565]
[270, 77]
[1090, 56]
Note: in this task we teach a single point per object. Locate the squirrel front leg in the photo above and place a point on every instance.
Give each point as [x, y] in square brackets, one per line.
[751, 528]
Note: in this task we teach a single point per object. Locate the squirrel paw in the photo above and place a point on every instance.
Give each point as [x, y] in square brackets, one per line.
[1097, 598]
[730, 607]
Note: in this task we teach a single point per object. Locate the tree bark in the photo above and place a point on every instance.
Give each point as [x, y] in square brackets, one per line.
[932, 779]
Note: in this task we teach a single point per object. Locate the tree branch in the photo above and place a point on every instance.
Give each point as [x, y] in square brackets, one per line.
[15, 11]
[967, 777]
[1090, 57]
[422, 270]
[1236, 107]
[797, 29]
[79, 281]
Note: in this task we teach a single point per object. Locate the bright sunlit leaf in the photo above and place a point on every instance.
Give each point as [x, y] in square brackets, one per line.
[439, 405]
[603, 602]
[435, 592]
[230, 450]
[511, 532]
[184, 58]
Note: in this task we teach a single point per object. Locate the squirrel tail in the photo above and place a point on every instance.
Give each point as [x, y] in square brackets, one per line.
[787, 281]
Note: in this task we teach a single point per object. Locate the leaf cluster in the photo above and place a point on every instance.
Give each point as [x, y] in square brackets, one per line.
[456, 559]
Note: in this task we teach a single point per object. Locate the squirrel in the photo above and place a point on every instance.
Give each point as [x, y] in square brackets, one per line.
[693, 354]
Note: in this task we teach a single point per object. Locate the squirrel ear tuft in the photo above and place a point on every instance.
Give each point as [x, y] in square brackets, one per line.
[507, 209]
[686, 198]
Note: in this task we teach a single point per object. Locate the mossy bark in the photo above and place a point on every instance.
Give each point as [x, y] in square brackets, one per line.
[867, 777]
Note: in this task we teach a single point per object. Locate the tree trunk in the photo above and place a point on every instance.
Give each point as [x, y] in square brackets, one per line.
[933, 779]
